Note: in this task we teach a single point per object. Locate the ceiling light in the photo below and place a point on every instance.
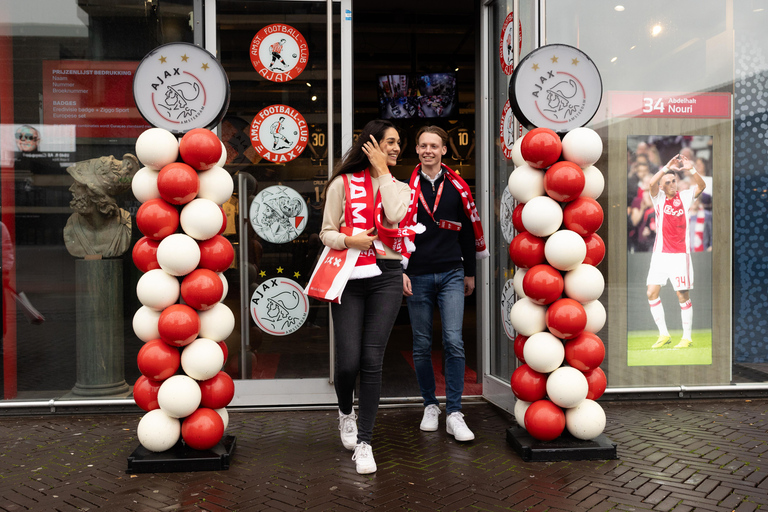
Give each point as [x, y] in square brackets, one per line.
[656, 30]
[614, 59]
[619, 8]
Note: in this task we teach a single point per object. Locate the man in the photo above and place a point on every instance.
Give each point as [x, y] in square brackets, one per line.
[441, 271]
[671, 259]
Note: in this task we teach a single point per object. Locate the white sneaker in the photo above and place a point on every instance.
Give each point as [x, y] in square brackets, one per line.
[348, 428]
[429, 421]
[455, 426]
[363, 458]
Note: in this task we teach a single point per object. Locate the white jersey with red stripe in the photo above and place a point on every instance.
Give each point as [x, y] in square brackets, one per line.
[672, 221]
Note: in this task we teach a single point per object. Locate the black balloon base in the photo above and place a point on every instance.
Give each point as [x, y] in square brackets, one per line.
[565, 447]
[181, 458]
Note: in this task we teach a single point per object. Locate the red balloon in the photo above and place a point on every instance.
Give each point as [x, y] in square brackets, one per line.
[178, 325]
[541, 147]
[518, 346]
[202, 289]
[566, 318]
[517, 218]
[583, 215]
[216, 254]
[224, 349]
[585, 352]
[223, 222]
[145, 393]
[597, 383]
[158, 360]
[544, 420]
[217, 391]
[526, 250]
[543, 284]
[157, 219]
[145, 254]
[202, 429]
[200, 148]
[178, 183]
[595, 249]
[564, 181]
[528, 384]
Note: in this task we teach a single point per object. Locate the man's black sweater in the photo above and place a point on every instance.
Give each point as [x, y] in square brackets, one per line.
[440, 250]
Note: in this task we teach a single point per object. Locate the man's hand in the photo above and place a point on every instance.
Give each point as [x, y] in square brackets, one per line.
[407, 290]
[469, 286]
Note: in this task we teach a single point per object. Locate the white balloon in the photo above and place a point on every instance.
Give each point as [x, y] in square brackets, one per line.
[594, 182]
[517, 282]
[528, 318]
[201, 219]
[216, 184]
[178, 254]
[585, 421]
[145, 324]
[565, 250]
[223, 158]
[596, 316]
[517, 155]
[567, 387]
[520, 407]
[202, 359]
[179, 396]
[217, 323]
[525, 183]
[144, 184]
[224, 416]
[543, 352]
[156, 148]
[226, 285]
[584, 283]
[542, 216]
[157, 289]
[158, 432]
[582, 146]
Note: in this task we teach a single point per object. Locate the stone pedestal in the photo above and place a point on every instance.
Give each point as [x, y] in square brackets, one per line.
[100, 351]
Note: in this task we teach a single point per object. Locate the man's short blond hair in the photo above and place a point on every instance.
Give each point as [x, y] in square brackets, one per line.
[433, 129]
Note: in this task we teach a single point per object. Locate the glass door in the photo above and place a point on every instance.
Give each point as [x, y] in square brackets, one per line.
[279, 137]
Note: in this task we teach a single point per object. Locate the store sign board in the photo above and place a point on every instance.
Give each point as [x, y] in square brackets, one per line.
[180, 86]
[94, 96]
[654, 104]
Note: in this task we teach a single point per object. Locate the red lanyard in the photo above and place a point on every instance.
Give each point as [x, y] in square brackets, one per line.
[437, 201]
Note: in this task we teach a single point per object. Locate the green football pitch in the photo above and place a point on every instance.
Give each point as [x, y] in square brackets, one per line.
[640, 353]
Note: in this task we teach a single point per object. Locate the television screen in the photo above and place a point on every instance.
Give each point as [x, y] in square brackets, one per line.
[408, 96]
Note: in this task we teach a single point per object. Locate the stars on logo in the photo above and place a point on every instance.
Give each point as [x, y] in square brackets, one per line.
[204, 67]
[574, 62]
[297, 275]
[553, 59]
[184, 58]
[262, 274]
[279, 270]
[163, 59]
[535, 67]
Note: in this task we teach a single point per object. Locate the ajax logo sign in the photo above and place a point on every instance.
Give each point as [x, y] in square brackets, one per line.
[279, 306]
[279, 52]
[279, 133]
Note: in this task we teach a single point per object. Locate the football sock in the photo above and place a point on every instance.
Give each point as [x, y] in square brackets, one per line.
[657, 312]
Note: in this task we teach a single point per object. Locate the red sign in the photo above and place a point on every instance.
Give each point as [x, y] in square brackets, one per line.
[95, 96]
[670, 104]
[279, 52]
[279, 133]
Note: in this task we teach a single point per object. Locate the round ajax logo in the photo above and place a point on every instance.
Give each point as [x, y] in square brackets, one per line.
[507, 131]
[555, 86]
[278, 214]
[506, 208]
[279, 133]
[180, 86]
[506, 43]
[279, 52]
[507, 300]
[279, 306]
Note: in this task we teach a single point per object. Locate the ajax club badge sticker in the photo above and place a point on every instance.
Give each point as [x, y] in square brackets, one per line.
[278, 214]
[279, 306]
[279, 133]
[279, 52]
[180, 86]
[506, 43]
[507, 130]
[557, 87]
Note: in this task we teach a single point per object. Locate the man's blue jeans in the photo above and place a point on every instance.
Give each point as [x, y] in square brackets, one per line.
[446, 290]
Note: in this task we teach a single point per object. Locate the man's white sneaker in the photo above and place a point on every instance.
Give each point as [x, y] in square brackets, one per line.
[348, 428]
[456, 427]
[363, 458]
[429, 421]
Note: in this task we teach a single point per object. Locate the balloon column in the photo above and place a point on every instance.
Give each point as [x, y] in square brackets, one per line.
[558, 314]
[182, 321]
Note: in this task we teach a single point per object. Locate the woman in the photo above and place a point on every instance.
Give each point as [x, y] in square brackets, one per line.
[364, 318]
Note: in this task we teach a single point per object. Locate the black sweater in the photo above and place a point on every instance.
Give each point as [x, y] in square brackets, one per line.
[440, 250]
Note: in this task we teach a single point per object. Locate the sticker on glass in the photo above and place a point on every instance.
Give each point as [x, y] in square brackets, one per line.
[279, 133]
[279, 306]
[278, 214]
[279, 52]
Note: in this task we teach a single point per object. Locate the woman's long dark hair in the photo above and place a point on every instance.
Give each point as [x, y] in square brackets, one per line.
[355, 160]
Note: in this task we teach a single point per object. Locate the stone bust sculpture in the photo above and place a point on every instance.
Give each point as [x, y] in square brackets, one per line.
[98, 226]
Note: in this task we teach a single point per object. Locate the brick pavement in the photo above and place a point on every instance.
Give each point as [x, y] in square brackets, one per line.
[688, 455]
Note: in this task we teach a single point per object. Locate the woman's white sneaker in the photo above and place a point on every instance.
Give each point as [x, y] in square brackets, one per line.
[429, 421]
[455, 426]
[363, 458]
[348, 429]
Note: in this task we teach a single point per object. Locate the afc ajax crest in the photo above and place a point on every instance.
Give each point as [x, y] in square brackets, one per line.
[279, 133]
[556, 86]
[279, 306]
[507, 131]
[506, 207]
[180, 86]
[279, 52]
[506, 43]
[507, 300]
[278, 214]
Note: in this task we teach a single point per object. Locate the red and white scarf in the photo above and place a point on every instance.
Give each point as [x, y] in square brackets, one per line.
[481, 251]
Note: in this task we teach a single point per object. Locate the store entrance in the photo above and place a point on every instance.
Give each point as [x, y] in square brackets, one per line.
[406, 68]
